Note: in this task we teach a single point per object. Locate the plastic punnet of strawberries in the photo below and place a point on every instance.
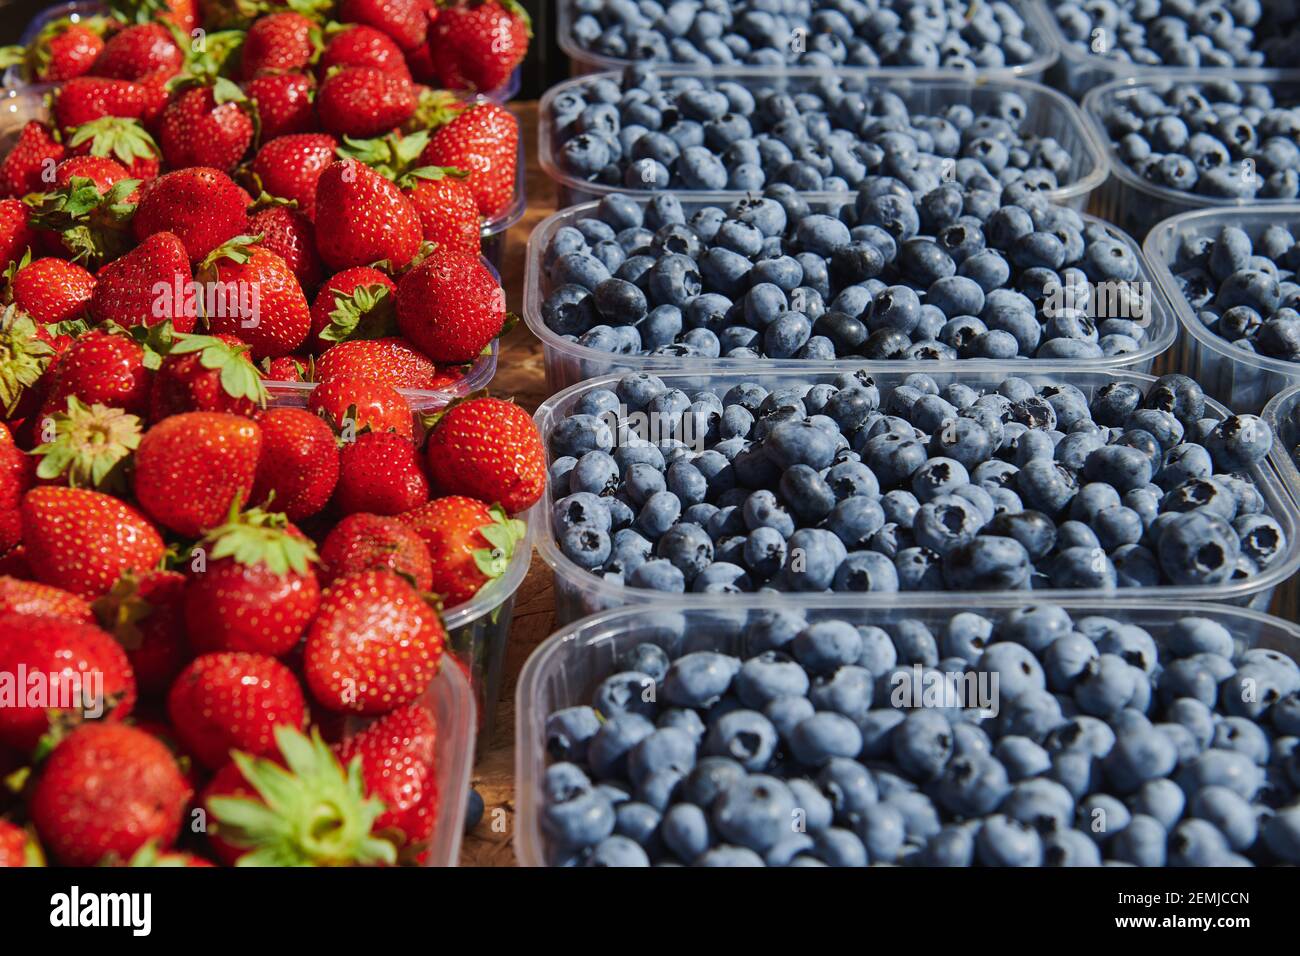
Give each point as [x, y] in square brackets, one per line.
[231, 595]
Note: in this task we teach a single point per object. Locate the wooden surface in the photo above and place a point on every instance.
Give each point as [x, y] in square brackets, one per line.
[521, 376]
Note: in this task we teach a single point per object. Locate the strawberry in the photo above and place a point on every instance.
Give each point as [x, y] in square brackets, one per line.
[139, 50]
[106, 791]
[18, 848]
[364, 101]
[181, 13]
[206, 373]
[189, 469]
[447, 209]
[87, 676]
[299, 464]
[233, 701]
[145, 613]
[310, 811]
[15, 234]
[484, 140]
[287, 368]
[405, 21]
[374, 646]
[207, 126]
[278, 42]
[104, 173]
[82, 541]
[87, 447]
[256, 590]
[83, 220]
[29, 165]
[100, 368]
[291, 236]
[380, 473]
[362, 218]
[284, 103]
[147, 286]
[30, 597]
[87, 98]
[469, 544]
[357, 303]
[289, 167]
[269, 311]
[355, 405]
[123, 140]
[389, 361]
[360, 45]
[488, 449]
[203, 207]
[397, 764]
[477, 45]
[15, 478]
[65, 49]
[369, 542]
[25, 355]
[450, 307]
[52, 290]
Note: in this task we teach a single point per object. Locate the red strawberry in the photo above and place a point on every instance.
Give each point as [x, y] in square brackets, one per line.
[355, 405]
[355, 303]
[15, 478]
[148, 285]
[29, 166]
[360, 45]
[389, 361]
[363, 101]
[380, 473]
[183, 13]
[299, 463]
[228, 782]
[233, 701]
[139, 50]
[450, 307]
[447, 209]
[278, 42]
[288, 368]
[100, 170]
[53, 290]
[484, 140]
[15, 234]
[284, 103]
[86, 446]
[263, 303]
[362, 218]
[31, 597]
[144, 612]
[374, 646]
[100, 368]
[290, 235]
[369, 542]
[190, 468]
[405, 21]
[64, 49]
[82, 541]
[83, 220]
[202, 206]
[87, 98]
[124, 140]
[289, 167]
[397, 764]
[206, 373]
[256, 590]
[488, 449]
[93, 680]
[106, 791]
[207, 126]
[17, 847]
[469, 544]
[479, 44]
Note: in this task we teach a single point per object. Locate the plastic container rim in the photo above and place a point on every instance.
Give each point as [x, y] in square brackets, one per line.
[1286, 463]
[453, 774]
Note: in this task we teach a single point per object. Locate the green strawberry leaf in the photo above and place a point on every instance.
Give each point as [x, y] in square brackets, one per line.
[123, 139]
[260, 537]
[23, 356]
[504, 534]
[91, 447]
[369, 312]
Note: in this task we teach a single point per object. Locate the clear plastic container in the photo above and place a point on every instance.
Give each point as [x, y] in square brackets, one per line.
[1283, 415]
[451, 702]
[578, 592]
[568, 363]
[1242, 380]
[570, 664]
[1038, 33]
[1132, 202]
[75, 11]
[1049, 114]
[495, 231]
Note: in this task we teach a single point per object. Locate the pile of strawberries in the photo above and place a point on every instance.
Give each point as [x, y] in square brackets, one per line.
[220, 597]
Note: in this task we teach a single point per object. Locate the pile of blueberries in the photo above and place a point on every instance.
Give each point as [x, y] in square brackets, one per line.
[682, 132]
[961, 272]
[814, 743]
[949, 34]
[1244, 291]
[1185, 33]
[1221, 138]
[855, 486]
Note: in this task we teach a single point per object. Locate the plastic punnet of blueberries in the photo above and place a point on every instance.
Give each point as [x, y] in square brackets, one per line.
[960, 272]
[1031, 739]
[1242, 290]
[951, 34]
[654, 132]
[853, 486]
